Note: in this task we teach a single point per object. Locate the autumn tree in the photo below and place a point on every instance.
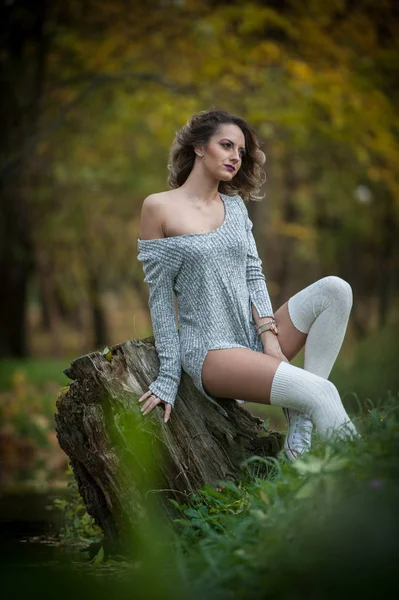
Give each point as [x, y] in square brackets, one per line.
[102, 87]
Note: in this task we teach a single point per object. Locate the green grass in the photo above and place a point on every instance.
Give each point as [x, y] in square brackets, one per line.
[323, 527]
[372, 372]
[38, 371]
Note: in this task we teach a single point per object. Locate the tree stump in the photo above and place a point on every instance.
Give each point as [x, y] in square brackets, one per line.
[120, 458]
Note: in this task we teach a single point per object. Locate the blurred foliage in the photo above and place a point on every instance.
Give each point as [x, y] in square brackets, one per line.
[324, 525]
[36, 371]
[29, 451]
[318, 82]
[329, 519]
[371, 373]
[78, 526]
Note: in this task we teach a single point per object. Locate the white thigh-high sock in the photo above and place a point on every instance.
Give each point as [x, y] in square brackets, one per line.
[318, 398]
[322, 311]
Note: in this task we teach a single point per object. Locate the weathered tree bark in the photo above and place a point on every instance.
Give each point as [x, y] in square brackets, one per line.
[121, 459]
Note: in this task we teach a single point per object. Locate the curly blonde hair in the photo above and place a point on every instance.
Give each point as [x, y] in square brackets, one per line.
[198, 130]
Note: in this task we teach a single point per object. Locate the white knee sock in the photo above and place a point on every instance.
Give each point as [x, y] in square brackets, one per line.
[322, 311]
[318, 398]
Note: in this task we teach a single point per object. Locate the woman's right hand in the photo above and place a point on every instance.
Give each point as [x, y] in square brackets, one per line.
[151, 401]
[271, 346]
[277, 353]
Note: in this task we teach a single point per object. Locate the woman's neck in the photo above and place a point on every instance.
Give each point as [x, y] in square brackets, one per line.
[200, 187]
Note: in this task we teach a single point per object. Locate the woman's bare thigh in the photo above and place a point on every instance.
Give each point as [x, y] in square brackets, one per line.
[239, 373]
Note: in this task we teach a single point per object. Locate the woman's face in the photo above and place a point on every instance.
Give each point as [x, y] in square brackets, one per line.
[224, 152]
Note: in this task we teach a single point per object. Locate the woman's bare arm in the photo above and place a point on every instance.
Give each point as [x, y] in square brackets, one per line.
[151, 221]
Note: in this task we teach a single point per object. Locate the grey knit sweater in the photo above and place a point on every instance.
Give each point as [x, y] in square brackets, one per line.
[215, 276]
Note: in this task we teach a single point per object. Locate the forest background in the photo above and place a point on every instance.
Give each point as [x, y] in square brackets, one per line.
[92, 94]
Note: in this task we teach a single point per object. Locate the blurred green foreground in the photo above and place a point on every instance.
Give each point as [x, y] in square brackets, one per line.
[323, 527]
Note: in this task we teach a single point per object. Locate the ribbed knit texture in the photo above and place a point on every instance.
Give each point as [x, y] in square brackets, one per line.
[293, 387]
[215, 276]
[322, 311]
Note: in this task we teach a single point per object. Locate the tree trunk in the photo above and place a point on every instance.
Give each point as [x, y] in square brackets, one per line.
[15, 268]
[100, 330]
[121, 459]
[289, 215]
[386, 263]
[23, 46]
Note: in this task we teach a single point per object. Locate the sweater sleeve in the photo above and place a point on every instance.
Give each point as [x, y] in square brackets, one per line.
[256, 281]
[160, 269]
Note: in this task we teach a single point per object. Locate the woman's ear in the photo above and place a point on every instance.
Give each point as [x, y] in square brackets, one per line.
[199, 151]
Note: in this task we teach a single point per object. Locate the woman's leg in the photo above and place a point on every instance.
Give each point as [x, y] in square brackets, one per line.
[239, 373]
[322, 311]
[318, 398]
[257, 377]
[319, 313]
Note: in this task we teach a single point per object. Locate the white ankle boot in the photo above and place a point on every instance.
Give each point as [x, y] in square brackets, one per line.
[299, 435]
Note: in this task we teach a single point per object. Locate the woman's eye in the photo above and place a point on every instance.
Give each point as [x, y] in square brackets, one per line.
[229, 145]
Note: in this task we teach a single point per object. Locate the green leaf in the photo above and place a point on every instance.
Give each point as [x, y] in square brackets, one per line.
[190, 512]
[180, 507]
[107, 353]
[99, 557]
[336, 464]
[311, 465]
[307, 489]
[258, 514]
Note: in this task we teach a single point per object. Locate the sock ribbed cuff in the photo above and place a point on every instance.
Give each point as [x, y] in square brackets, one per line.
[295, 316]
[316, 397]
[279, 385]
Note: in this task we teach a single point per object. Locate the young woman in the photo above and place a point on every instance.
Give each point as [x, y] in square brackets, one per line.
[197, 241]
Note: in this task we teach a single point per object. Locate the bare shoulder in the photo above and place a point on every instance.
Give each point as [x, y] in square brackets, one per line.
[153, 215]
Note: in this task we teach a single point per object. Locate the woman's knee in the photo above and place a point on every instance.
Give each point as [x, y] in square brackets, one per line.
[331, 291]
[339, 288]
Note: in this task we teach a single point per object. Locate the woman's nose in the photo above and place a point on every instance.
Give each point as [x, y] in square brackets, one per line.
[236, 156]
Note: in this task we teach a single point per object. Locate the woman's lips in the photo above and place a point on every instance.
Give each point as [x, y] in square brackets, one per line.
[230, 168]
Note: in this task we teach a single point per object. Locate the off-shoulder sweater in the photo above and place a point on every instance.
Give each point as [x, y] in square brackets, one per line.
[216, 276]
